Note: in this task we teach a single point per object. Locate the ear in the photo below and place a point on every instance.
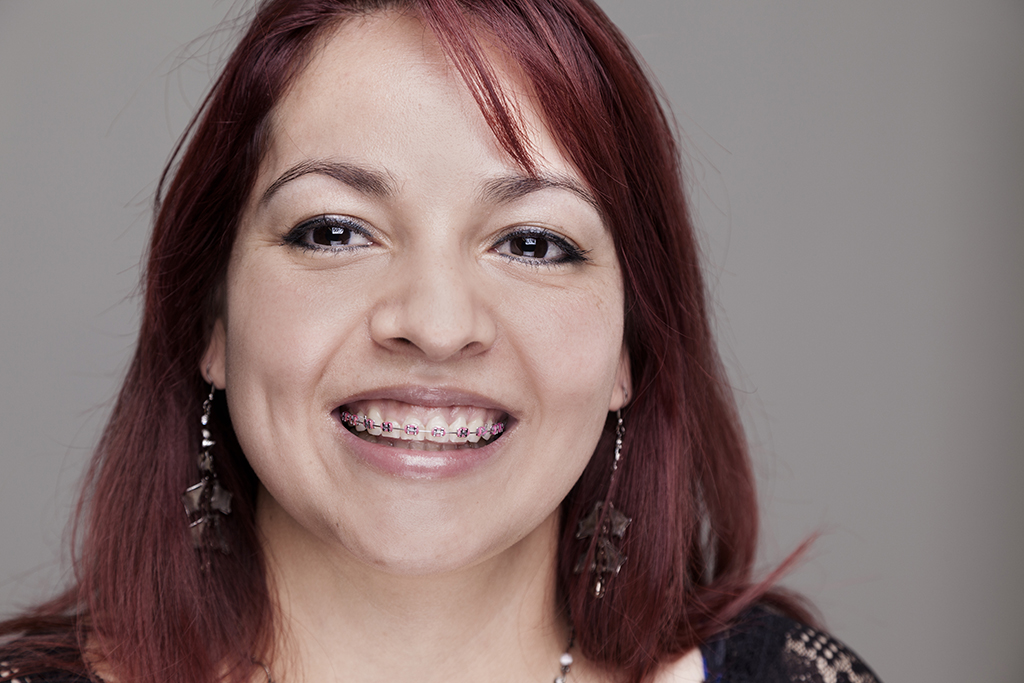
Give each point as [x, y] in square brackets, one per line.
[623, 390]
[212, 365]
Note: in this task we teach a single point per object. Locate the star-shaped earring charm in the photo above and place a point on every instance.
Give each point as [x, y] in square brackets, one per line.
[608, 559]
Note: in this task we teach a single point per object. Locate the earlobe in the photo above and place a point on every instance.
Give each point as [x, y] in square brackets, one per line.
[623, 383]
[212, 364]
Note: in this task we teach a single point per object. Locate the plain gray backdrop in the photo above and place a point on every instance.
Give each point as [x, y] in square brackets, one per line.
[857, 173]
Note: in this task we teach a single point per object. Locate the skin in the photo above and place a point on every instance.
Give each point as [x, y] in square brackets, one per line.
[385, 576]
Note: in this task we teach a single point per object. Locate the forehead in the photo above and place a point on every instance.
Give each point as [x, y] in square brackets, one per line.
[381, 82]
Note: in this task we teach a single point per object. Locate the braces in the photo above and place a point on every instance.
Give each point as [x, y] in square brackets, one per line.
[389, 427]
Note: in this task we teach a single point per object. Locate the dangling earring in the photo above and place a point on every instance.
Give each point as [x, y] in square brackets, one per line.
[605, 524]
[207, 502]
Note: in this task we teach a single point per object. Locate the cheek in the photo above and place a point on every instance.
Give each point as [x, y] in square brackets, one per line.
[280, 330]
[568, 350]
[280, 335]
[571, 343]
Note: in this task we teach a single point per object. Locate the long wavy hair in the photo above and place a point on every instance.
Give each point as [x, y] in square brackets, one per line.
[141, 602]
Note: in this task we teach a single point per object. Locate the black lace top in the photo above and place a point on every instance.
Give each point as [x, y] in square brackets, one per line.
[8, 675]
[765, 647]
[761, 647]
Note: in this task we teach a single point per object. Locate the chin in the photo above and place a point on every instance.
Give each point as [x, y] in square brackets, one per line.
[419, 542]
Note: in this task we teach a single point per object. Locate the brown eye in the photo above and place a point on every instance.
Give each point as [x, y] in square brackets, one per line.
[531, 246]
[539, 247]
[329, 233]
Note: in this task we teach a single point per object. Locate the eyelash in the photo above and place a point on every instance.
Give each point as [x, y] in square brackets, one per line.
[300, 235]
[570, 252]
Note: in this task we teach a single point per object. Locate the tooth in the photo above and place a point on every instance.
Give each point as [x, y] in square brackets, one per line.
[474, 429]
[375, 415]
[454, 436]
[437, 430]
[360, 427]
[488, 432]
[413, 431]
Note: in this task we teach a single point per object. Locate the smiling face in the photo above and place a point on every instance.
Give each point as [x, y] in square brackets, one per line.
[420, 344]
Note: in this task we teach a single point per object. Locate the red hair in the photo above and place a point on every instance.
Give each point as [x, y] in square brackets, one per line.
[142, 601]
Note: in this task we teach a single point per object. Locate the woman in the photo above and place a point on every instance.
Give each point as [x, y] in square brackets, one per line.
[423, 296]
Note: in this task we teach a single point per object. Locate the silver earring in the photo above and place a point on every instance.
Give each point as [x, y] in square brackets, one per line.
[606, 525]
[206, 503]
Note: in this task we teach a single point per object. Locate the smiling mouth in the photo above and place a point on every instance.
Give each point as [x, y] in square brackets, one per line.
[401, 425]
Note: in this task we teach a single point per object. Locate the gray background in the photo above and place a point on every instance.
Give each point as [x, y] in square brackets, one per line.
[858, 173]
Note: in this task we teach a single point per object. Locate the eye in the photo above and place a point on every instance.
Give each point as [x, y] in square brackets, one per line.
[537, 247]
[329, 233]
[528, 245]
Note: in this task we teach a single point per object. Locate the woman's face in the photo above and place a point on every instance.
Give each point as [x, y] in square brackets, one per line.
[394, 268]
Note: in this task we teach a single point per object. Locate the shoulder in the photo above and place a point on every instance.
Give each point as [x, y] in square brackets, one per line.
[688, 669]
[768, 647]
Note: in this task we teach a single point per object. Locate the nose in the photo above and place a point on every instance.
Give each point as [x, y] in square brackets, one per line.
[433, 306]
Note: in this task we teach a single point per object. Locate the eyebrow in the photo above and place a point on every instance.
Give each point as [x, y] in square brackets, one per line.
[502, 190]
[365, 180]
[507, 189]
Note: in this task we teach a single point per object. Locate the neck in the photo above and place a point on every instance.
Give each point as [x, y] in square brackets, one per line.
[341, 619]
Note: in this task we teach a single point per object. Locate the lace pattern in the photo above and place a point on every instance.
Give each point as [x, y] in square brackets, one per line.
[765, 647]
[9, 674]
[813, 656]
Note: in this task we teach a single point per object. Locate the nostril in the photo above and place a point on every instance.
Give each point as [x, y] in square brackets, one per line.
[435, 322]
[398, 343]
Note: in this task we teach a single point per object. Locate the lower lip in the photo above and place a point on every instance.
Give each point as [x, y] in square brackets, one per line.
[413, 464]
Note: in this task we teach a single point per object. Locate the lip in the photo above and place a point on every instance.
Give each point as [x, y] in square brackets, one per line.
[415, 464]
[431, 397]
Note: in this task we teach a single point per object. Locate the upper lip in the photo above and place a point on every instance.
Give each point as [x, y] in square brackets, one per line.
[428, 396]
